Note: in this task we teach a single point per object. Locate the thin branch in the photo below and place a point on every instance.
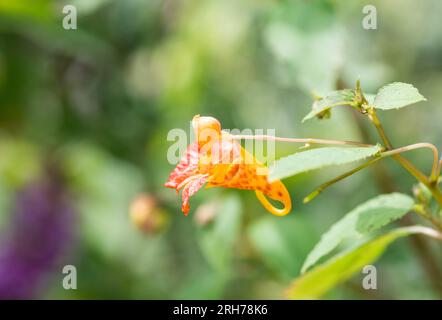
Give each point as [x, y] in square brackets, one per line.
[300, 140]
[435, 168]
[324, 186]
[426, 256]
[382, 155]
[431, 183]
[395, 153]
[427, 231]
[420, 244]
[421, 210]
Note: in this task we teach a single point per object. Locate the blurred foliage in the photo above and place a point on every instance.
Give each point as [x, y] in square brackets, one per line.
[364, 219]
[100, 100]
[314, 284]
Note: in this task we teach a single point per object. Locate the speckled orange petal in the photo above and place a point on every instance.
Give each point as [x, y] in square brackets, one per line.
[187, 167]
[190, 189]
[246, 172]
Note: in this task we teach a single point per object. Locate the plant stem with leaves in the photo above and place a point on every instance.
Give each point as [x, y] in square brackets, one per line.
[429, 182]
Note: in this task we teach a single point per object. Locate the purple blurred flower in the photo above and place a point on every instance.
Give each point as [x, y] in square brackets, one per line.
[39, 236]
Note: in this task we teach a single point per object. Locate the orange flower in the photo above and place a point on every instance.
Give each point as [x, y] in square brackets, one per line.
[217, 159]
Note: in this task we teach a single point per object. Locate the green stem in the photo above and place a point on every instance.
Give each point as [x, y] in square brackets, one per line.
[421, 210]
[324, 186]
[385, 154]
[300, 140]
[431, 183]
[435, 168]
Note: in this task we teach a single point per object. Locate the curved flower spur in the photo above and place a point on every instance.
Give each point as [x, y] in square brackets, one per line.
[217, 159]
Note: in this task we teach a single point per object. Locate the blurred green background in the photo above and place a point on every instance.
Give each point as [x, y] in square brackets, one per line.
[99, 101]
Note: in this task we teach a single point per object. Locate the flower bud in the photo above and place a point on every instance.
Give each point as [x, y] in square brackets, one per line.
[146, 215]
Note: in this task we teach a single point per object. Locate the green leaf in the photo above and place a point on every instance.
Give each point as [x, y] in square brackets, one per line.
[397, 95]
[318, 158]
[334, 99]
[367, 217]
[314, 284]
[218, 239]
